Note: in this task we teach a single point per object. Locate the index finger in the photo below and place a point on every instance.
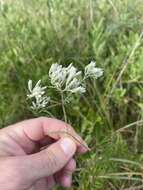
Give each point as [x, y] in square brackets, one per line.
[38, 128]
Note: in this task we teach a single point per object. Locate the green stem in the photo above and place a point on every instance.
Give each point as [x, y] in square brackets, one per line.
[63, 107]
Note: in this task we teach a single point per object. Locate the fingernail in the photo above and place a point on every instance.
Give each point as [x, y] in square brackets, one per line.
[68, 146]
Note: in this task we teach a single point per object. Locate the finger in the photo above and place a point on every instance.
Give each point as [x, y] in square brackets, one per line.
[45, 183]
[64, 177]
[82, 150]
[48, 161]
[46, 141]
[51, 182]
[34, 130]
[32, 188]
[41, 184]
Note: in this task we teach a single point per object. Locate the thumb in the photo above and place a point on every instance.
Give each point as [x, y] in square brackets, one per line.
[50, 160]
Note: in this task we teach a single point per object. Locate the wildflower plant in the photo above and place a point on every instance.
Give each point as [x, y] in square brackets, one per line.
[37, 94]
[67, 81]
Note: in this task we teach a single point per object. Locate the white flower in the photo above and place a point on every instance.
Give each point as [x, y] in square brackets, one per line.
[75, 86]
[71, 73]
[66, 78]
[36, 91]
[40, 102]
[92, 71]
[57, 74]
[79, 89]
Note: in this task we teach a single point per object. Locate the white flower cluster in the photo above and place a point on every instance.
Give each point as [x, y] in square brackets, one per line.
[64, 79]
[37, 93]
[69, 79]
[92, 71]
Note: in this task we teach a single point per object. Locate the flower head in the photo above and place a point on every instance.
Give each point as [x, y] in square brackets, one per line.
[36, 93]
[40, 102]
[75, 86]
[57, 74]
[37, 90]
[92, 71]
[66, 78]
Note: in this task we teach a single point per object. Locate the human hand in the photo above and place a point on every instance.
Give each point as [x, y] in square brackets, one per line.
[25, 166]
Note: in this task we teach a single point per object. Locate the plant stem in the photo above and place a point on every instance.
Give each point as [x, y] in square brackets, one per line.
[76, 139]
[63, 107]
[65, 119]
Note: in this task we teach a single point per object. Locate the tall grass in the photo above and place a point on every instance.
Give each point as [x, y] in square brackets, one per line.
[34, 34]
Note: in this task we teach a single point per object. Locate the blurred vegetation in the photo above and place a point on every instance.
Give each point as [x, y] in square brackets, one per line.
[35, 34]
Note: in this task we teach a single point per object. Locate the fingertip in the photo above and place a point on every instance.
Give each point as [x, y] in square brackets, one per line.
[81, 150]
[66, 181]
[71, 166]
[63, 179]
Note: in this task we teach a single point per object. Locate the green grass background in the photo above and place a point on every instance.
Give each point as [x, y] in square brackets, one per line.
[34, 34]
